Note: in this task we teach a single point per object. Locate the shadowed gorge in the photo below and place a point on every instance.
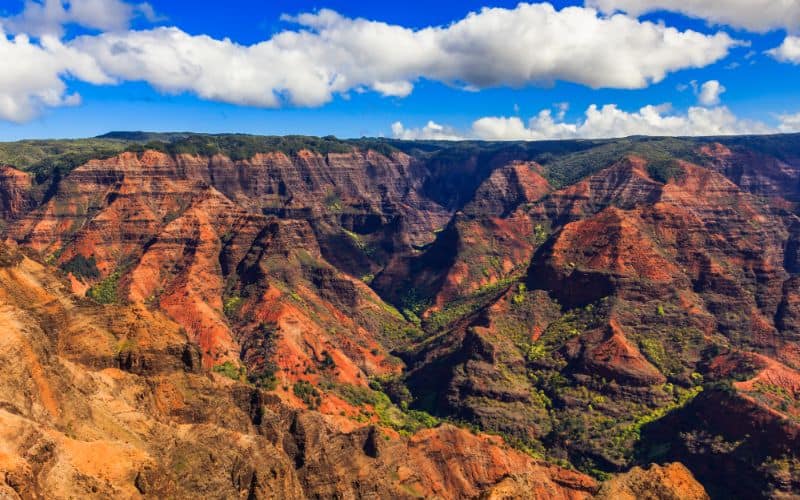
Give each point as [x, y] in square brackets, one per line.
[299, 317]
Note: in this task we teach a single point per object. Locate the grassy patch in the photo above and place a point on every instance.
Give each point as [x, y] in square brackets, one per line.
[463, 307]
[124, 346]
[244, 147]
[231, 370]
[519, 297]
[48, 158]
[404, 420]
[232, 305]
[334, 204]
[540, 234]
[653, 351]
[307, 393]
[664, 170]
[105, 292]
[683, 398]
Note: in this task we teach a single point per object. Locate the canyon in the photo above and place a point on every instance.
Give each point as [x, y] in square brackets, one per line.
[261, 317]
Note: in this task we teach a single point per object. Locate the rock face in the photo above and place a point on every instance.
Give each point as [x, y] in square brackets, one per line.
[320, 324]
[670, 482]
[748, 429]
[15, 186]
[100, 402]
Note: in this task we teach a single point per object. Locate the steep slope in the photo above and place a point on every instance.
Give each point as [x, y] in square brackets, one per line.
[15, 186]
[640, 283]
[746, 427]
[197, 238]
[112, 401]
[671, 482]
[572, 297]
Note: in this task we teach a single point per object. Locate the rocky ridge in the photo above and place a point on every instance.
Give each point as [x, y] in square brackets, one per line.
[484, 285]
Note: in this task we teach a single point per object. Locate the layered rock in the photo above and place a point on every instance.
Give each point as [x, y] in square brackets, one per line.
[111, 401]
[15, 187]
[174, 231]
[572, 318]
[653, 276]
[670, 482]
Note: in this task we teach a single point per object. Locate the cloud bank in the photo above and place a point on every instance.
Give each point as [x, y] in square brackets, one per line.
[326, 54]
[758, 16]
[600, 122]
[430, 132]
[33, 74]
[753, 15]
[789, 123]
[49, 17]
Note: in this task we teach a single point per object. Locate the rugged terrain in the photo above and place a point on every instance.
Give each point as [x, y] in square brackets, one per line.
[303, 317]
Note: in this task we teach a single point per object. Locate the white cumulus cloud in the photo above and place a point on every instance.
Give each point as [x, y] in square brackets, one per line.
[789, 123]
[48, 17]
[788, 51]
[331, 54]
[753, 15]
[543, 126]
[608, 121]
[431, 131]
[710, 92]
[32, 75]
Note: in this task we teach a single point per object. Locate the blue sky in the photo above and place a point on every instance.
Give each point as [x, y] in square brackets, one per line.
[760, 89]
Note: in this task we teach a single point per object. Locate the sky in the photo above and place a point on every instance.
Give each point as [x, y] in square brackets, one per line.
[492, 70]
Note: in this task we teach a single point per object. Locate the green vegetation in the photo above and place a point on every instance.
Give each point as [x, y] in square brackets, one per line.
[265, 380]
[53, 159]
[654, 351]
[404, 420]
[668, 347]
[232, 371]
[660, 152]
[785, 147]
[307, 393]
[355, 238]
[565, 162]
[569, 325]
[81, 267]
[105, 292]
[124, 346]
[394, 387]
[48, 158]
[779, 398]
[264, 376]
[580, 418]
[599, 426]
[354, 394]
[519, 297]
[397, 330]
[463, 307]
[683, 397]
[232, 305]
[540, 234]
[413, 304]
[781, 472]
[244, 147]
[664, 170]
[333, 203]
